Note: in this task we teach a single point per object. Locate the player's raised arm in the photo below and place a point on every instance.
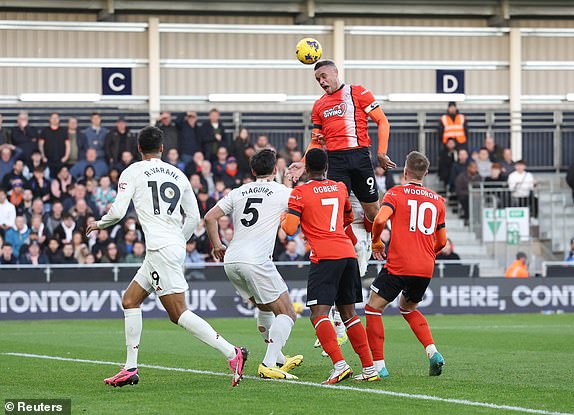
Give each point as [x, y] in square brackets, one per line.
[126, 188]
[192, 217]
[290, 222]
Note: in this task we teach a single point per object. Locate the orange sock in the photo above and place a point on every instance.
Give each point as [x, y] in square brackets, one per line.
[375, 332]
[368, 224]
[419, 326]
[328, 338]
[358, 339]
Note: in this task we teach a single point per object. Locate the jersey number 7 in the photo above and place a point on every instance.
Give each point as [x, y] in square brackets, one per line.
[332, 201]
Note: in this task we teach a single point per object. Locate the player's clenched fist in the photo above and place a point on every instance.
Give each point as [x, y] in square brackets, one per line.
[218, 253]
[378, 250]
[92, 226]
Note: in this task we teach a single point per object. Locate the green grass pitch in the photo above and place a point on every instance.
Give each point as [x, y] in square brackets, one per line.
[508, 360]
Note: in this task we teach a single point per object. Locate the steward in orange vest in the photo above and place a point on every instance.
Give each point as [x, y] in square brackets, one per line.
[453, 125]
[519, 268]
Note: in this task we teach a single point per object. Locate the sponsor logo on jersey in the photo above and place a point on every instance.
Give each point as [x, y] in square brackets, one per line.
[337, 110]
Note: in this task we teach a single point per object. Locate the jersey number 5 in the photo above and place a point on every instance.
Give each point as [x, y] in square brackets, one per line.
[251, 210]
[169, 193]
[332, 201]
[418, 217]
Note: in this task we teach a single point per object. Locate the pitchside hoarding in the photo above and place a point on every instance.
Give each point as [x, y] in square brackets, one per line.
[88, 300]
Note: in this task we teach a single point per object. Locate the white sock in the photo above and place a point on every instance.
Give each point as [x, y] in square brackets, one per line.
[265, 320]
[379, 364]
[431, 349]
[278, 335]
[133, 330]
[339, 326]
[340, 365]
[204, 332]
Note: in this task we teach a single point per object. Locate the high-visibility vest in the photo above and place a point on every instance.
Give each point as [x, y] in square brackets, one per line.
[453, 129]
[517, 270]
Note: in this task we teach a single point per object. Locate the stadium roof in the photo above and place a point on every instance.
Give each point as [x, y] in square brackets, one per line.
[308, 9]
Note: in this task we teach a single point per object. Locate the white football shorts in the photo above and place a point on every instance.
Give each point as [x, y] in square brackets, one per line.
[362, 248]
[162, 271]
[262, 282]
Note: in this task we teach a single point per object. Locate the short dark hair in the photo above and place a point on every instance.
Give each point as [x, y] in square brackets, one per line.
[263, 163]
[521, 161]
[325, 62]
[417, 164]
[316, 160]
[150, 139]
[521, 255]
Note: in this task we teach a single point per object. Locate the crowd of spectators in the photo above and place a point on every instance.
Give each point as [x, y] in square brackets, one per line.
[54, 180]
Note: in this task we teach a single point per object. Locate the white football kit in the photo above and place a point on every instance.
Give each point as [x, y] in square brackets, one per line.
[160, 193]
[255, 209]
[363, 246]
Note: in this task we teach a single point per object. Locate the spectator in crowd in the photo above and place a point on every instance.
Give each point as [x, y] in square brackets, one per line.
[112, 254]
[37, 226]
[219, 190]
[238, 146]
[7, 212]
[453, 125]
[17, 236]
[172, 158]
[570, 254]
[194, 166]
[227, 236]
[75, 140]
[54, 144]
[291, 145]
[384, 180]
[447, 253]
[483, 163]
[53, 252]
[14, 176]
[196, 185]
[125, 245]
[24, 136]
[207, 177]
[36, 209]
[35, 161]
[204, 202]
[39, 185]
[17, 196]
[495, 177]
[170, 131]
[33, 255]
[447, 157]
[262, 143]
[137, 255]
[102, 241]
[200, 235]
[461, 187]
[507, 163]
[290, 253]
[459, 167]
[8, 157]
[118, 140]
[521, 184]
[55, 218]
[94, 137]
[570, 178]
[80, 212]
[89, 159]
[27, 204]
[5, 133]
[281, 172]
[189, 140]
[61, 184]
[192, 255]
[231, 176]
[212, 134]
[125, 161]
[221, 161]
[8, 257]
[104, 195]
[68, 254]
[495, 152]
[64, 232]
[519, 268]
[114, 175]
[81, 253]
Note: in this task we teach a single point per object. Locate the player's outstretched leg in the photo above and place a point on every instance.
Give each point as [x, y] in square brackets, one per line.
[376, 337]
[131, 301]
[265, 320]
[328, 338]
[179, 314]
[421, 329]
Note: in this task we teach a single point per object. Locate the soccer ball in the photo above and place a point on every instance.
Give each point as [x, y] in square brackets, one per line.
[308, 51]
[298, 308]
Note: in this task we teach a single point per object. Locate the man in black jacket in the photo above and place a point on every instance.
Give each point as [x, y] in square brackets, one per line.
[212, 133]
[189, 140]
[118, 140]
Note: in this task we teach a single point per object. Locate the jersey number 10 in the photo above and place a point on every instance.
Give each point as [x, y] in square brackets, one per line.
[418, 217]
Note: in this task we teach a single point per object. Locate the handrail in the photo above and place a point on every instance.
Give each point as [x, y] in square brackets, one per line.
[546, 264]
